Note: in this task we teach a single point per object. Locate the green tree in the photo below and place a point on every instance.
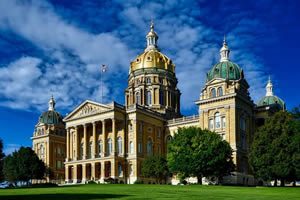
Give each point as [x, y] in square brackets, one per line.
[1, 160]
[155, 167]
[23, 165]
[275, 151]
[200, 153]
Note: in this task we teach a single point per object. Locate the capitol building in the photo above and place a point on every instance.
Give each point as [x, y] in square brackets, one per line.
[99, 141]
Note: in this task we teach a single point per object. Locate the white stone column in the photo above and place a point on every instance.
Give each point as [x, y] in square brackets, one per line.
[94, 140]
[93, 171]
[66, 174]
[84, 142]
[104, 138]
[76, 156]
[83, 173]
[68, 144]
[114, 136]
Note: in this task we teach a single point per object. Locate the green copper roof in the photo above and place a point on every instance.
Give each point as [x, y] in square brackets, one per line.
[226, 70]
[51, 117]
[271, 100]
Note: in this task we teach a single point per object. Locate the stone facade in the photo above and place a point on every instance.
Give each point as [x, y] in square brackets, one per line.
[106, 141]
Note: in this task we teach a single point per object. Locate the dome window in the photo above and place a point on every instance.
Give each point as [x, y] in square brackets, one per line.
[213, 93]
[149, 58]
[137, 60]
[220, 91]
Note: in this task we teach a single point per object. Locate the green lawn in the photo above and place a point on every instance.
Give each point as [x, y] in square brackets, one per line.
[91, 192]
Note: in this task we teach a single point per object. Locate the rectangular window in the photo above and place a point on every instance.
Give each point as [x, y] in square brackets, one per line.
[140, 147]
[211, 124]
[223, 122]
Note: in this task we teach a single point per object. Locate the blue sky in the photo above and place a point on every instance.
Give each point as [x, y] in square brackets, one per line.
[56, 47]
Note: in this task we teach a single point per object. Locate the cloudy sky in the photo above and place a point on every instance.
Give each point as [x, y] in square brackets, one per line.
[57, 46]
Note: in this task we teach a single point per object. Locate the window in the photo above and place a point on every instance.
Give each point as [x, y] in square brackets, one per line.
[42, 131]
[220, 91]
[119, 150]
[58, 151]
[211, 124]
[148, 80]
[59, 164]
[148, 98]
[137, 98]
[140, 147]
[242, 124]
[217, 120]
[141, 128]
[131, 147]
[149, 147]
[161, 97]
[120, 170]
[223, 120]
[109, 146]
[213, 93]
[158, 132]
[100, 148]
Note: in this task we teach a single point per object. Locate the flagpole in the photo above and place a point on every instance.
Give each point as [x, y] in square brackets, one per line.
[103, 69]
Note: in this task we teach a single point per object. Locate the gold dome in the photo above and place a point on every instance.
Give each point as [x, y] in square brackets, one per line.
[152, 59]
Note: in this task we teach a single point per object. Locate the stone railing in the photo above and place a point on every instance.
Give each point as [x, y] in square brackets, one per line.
[184, 119]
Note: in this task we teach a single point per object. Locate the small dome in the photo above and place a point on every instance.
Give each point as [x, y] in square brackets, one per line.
[272, 101]
[51, 117]
[225, 70]
[152, 59]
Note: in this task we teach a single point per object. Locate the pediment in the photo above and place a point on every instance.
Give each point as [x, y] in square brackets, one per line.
[87, 108]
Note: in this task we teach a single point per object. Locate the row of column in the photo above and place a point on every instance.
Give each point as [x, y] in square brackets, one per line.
[94, 136]
[97, 171]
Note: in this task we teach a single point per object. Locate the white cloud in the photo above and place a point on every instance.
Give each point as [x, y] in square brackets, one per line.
[75, 54]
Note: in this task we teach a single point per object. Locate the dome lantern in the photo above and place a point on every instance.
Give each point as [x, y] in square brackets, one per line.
[151, 38]
[224, 51]
[269, 88]
[51, 104]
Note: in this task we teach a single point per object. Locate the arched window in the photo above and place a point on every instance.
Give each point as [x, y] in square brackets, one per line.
[149, 146]
[220, 91]
[109, 146]
[213, 93]
[119, 150]
[138, 98]
[217, 120]
[161, 97]
[148, 80]
[42, 131]
[100, 148]
[131, 147]
[148, 98]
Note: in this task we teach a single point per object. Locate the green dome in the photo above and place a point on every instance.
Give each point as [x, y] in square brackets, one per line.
[51, 117]
[225, 70]
[272, 101]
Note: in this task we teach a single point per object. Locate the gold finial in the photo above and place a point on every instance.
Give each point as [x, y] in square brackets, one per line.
[152, 25]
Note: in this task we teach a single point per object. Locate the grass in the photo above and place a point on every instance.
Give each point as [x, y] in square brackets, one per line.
[93, 192]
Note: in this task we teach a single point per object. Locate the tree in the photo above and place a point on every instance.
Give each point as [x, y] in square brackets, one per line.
[155, 167]
[200, 153]
[275, 151]
[1, 160]
[23, 165]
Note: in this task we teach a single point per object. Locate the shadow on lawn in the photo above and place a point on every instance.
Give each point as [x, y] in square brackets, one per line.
[61, 196]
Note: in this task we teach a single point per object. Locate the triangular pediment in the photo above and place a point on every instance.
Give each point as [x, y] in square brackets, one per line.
[87, 108]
